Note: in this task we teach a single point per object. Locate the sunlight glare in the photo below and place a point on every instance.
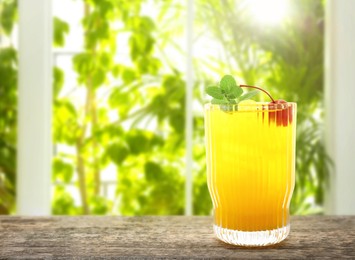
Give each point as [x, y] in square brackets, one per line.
[270, 12]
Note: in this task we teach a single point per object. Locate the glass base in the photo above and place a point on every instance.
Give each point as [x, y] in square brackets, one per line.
[253, 238]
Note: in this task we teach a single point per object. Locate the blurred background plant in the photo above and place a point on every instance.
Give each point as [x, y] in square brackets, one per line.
[119, 101]
[8, 107]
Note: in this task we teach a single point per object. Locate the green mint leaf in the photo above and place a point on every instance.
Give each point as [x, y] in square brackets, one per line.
[227, 83]
[235, 92]
[219, 101]
[214, 92]
[248, 95]
[228, 94]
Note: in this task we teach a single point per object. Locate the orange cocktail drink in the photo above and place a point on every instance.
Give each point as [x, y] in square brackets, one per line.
[251, 170]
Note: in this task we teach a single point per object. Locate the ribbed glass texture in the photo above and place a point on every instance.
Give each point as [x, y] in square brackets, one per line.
[250, 150]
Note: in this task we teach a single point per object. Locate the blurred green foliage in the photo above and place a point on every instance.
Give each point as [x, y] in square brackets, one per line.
[149, 161]
[8, 108]
[145, 143]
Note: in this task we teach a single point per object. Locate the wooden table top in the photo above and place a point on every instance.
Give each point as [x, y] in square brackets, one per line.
[323, 237]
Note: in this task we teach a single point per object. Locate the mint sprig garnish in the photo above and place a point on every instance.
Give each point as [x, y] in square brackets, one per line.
[228, 92]
[228, 95]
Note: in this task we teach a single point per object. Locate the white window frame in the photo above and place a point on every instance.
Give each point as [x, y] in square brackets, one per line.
[34, 148]
[340, 104]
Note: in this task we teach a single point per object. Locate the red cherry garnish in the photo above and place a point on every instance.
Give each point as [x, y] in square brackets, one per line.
[283, 113]
[279, 101]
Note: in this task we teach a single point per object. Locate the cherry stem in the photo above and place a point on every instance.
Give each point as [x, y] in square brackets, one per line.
[267, 93]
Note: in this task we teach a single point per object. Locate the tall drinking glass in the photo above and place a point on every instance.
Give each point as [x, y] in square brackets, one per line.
[251, 170]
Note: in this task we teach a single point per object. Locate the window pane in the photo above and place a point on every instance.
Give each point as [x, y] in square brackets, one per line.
[278, 45]
[119, 108]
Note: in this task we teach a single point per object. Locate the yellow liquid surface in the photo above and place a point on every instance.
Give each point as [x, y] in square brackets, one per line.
[250, 168]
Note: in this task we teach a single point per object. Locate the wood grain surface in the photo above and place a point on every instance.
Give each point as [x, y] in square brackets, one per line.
[311, 237]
